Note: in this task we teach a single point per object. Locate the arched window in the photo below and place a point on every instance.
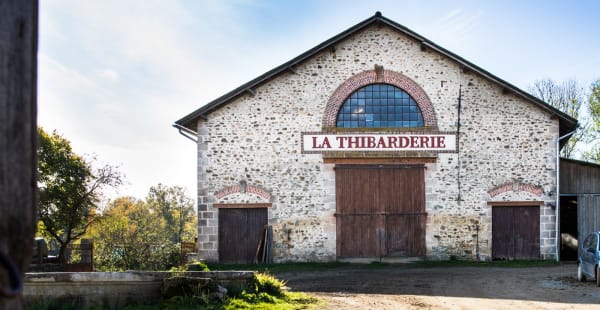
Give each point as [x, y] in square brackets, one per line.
[379, 106]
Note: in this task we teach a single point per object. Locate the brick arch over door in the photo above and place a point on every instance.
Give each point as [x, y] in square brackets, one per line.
[371, 77]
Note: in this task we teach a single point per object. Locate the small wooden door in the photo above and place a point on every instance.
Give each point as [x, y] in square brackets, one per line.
[240, 231]
[380, 210]
[515, 232]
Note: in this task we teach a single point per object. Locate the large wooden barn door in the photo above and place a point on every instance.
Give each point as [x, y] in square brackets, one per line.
[515, 232]
[240, 231]
[380, 211]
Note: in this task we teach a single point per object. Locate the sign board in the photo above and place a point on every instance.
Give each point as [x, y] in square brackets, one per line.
[376, 142]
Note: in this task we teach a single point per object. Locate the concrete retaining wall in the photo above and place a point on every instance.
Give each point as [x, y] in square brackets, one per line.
[114, 289]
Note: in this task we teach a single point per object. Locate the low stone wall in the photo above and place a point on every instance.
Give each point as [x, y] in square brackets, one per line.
[114, 289]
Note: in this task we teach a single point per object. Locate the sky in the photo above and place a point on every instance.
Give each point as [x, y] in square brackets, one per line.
[113, 76]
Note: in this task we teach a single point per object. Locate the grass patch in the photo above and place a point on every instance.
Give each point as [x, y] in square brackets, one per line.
[285, 267]
[291, 300]
[267, 292]
[465, 263]
[278, 267]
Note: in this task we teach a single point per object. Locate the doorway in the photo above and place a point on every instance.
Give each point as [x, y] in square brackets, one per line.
[380, 210]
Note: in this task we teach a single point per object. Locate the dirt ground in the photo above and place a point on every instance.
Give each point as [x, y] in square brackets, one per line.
[408, 287]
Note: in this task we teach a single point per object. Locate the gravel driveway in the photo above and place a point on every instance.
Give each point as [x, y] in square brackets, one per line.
[408, 287]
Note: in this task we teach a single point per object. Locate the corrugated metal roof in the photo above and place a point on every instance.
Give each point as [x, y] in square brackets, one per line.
[567, 123]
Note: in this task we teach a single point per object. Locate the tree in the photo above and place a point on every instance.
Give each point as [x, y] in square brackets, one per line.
[568, 97]
[175, 207]
[69, 189]
[130, 236]
[144, 235]
[593, 154]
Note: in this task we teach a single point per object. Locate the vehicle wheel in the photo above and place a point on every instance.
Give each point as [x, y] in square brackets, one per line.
[580, 276]
[597, 275]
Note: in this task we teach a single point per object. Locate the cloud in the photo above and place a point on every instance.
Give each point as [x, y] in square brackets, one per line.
[109, 75]
[115, 75]
[457, 26]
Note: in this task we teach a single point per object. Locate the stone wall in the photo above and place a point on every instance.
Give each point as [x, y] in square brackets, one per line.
[255, 139]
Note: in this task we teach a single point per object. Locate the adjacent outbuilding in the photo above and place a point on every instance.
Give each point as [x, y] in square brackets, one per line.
[377, 144]
[579, 204]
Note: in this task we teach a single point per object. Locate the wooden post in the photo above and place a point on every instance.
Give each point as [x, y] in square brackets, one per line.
[18, 136]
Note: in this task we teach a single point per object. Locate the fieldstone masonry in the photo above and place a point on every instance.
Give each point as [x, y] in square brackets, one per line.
[507, 150]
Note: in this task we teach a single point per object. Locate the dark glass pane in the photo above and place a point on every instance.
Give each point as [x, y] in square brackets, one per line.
[380, 106]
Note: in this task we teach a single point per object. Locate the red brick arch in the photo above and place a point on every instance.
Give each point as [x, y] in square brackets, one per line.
[516, 187]
[370, 77]
[243, 188]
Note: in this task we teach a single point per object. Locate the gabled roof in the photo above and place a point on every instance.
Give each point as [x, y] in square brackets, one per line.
[188, 123]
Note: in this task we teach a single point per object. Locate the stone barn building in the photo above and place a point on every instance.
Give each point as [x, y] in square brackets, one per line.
[377, 144]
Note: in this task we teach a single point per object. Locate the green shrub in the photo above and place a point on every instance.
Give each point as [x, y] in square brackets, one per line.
[197, 266]
[265, 283]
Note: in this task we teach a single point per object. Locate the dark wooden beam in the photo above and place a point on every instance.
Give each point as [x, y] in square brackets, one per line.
[375, 161]
[515, 203]
[18, 136]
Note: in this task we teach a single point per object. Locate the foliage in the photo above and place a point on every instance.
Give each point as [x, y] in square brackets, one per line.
[197, 266]
[69, 189]
[572, 99]
[175, 207]
[139, 235]
[594, 102]
[266, 283]
[568, 97]
[130, 236]
[192, 266]
[593, 153]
